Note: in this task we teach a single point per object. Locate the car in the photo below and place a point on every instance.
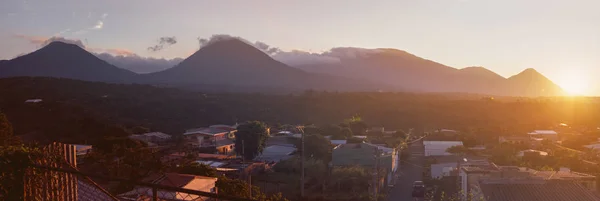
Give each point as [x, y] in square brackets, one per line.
[418, 189]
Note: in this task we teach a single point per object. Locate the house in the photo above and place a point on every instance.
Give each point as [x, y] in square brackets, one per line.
[544, 134]
[338, 142]
[438, 148]
[475, 173]
[184, 181]
[514, 139]
[365, 154]
[593, 146]
[527, 189]
[216, 137]
[375, 130]
[531, 152]
[33, 101]
[153, 138]
[276, 153]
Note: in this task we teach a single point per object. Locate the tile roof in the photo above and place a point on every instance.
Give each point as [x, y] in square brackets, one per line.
[181, 180]
[551, 190]
[205, 131]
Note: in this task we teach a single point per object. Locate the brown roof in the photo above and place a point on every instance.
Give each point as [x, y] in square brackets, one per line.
[550, 190]
[180, 180]
[214, 156]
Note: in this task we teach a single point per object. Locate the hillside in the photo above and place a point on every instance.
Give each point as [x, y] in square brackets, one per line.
[402, 69]
[63, 60]
[172, 110]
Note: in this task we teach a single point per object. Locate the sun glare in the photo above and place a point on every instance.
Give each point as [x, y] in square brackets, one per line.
[574, 83]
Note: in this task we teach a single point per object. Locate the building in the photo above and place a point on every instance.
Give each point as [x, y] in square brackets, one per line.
[438, 148]
[33, 101]
[527, 189]
[152, 139]
[338, 142]
[531, 152]
[514, 139]
[216, 137]
[365, 155]
[475, 173]
[544, 134]
[185, 181]
[276, 153]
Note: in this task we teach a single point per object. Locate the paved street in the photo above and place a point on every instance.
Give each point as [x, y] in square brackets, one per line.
[410, 171]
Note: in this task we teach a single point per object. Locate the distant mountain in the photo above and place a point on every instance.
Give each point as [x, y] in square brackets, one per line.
[404, 70]
[63, 60]
[533, 83]
[235, 63]
[139, 64]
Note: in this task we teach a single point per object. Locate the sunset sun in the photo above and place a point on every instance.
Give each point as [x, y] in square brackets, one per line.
[574, 83]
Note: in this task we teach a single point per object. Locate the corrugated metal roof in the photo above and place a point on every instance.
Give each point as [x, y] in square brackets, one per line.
[553, 190]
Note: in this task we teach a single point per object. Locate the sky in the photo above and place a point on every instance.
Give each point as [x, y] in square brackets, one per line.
[559, 38]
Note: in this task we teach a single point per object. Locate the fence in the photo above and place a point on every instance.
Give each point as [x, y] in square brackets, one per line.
[86, 189]
[58, 179]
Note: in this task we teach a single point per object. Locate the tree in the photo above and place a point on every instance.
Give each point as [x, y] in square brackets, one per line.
[459, 150]
[198, 169]
[250, 139]
[347, 133]
[317, 147]
[357, 125]
[6, 132]
[334, 131]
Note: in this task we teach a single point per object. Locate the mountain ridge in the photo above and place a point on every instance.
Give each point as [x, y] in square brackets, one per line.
[63, 60]
[233, 63]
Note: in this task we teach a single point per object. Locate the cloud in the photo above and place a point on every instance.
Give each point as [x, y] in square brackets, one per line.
[298, 58]
[43, 41]
[162, 43]
[99, 25]
[139, 64]
[113, 51]
[203, 42]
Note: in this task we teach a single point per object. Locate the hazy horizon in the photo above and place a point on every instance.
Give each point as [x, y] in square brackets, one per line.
[559, 39]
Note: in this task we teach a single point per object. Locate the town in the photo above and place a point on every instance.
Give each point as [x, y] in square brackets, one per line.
[351, 160]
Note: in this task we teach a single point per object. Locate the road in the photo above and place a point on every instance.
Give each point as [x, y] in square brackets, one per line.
[410, 171]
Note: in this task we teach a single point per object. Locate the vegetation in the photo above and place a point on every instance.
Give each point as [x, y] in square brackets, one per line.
[316, 146]
[250, 139]
[95, 109]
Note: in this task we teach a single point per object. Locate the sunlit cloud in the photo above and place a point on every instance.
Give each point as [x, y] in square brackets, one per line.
[99, 25]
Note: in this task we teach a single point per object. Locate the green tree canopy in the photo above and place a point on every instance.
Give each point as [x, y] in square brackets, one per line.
[317, 147]
[250, 139]
[197, 169]
[6, 132]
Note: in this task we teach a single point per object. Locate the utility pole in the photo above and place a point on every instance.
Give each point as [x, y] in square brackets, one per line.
[376, 174]
[243, 151]
[301, 129]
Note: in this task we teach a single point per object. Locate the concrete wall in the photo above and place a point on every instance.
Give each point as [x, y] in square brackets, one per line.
[437, 169]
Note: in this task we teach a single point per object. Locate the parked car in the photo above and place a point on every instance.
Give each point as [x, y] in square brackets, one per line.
[418, 189]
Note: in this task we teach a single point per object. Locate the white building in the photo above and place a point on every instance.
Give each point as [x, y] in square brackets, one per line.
[438, 148]
[544, 134]
[33, 101]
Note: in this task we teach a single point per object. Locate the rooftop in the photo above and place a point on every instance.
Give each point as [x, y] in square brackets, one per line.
[543, 132]
[205, 131]
[534, 190]
[153, 134]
